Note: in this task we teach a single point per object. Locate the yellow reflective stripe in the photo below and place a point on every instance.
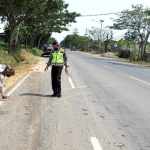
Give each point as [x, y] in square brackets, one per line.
[57, 57]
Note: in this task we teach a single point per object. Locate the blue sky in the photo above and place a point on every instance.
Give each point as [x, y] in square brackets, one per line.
[91, 7]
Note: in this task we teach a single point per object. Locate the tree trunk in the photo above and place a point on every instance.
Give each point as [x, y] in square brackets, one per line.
[31, 44]
[139, 53]
[106, 44]
[39, 41]
[32, 41]
[144, 46]
[141, 47]
[11, 42]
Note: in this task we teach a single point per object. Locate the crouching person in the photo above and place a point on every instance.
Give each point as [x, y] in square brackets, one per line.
[4, 71]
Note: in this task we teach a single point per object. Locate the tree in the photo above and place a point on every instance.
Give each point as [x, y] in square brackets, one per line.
[107, 36]
[103, 36]
[14, 12]
[35, 15]
[80, 42]
[132, 35]
[137, 21]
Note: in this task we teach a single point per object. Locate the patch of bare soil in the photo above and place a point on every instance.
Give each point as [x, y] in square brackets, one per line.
[109, 55]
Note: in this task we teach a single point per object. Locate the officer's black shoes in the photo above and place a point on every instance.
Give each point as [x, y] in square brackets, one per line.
[59, 95]
[54, 95]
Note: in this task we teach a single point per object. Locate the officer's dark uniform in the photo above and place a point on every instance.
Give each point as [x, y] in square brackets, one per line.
[57, 59]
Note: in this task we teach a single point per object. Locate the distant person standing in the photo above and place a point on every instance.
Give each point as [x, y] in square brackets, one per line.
[57, 59]
[4, 71]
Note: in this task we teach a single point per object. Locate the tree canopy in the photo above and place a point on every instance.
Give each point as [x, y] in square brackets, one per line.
[137, 22]
[36, 15]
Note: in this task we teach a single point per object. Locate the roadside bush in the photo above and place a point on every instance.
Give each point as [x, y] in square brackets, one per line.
[2, 45]
[18, 57]
[124, 54]
[36, 52]
[7, 59]
[134, 55]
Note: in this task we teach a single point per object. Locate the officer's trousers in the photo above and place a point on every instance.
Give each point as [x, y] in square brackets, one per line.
[56, 79]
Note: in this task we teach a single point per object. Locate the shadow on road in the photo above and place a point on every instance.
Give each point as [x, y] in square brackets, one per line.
[3, 112]
[128, 65]
[113, 62]
[34, 94]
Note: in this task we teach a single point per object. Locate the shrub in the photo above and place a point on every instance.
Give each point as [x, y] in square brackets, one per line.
[134, 55]
[36, 52]
[124, 54]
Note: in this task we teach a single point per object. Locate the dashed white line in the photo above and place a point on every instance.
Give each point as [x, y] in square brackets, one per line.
[106, 66]
[140, 80]
[95, 143]
[72, 85]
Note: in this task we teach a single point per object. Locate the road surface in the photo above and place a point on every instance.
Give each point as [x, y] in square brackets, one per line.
[105, 106]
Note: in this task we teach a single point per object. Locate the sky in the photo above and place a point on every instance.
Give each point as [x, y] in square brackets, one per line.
[92, 7]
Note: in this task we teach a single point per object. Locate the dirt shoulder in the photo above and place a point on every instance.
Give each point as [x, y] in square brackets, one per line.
[20, 70]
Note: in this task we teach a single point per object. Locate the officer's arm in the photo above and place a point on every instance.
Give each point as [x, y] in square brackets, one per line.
[65, 59]
[49, 62]
[50, 59]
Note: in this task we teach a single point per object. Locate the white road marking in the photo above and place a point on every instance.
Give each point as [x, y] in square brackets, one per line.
[72, 85]
[108, 85]
[11, 91]
[114, 84]
[95, 143]
[106, 66]
[140, 80]
[1, 102]
[67, 103]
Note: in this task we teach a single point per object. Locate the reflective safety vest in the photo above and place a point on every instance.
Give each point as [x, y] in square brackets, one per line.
[57, 58]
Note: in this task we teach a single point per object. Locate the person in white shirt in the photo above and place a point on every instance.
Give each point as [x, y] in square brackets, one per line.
[4, 71]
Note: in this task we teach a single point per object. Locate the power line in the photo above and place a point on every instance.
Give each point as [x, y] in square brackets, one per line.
[115, 13]
[100, 14]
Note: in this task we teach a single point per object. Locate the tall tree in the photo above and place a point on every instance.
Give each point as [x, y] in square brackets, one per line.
[103, 36]
[35, 14]
[137, 21]
[107, 36]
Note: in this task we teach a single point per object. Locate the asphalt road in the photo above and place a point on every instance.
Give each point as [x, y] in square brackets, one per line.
[105, 106]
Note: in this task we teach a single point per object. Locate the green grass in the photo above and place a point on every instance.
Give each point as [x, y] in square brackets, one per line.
[23, 56]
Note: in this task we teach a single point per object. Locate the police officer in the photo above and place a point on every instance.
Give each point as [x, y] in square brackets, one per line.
[4, 71]
[57, 59]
